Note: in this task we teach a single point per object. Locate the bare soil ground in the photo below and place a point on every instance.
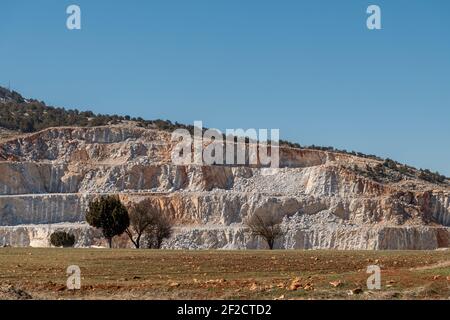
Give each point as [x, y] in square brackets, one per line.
[146, 274]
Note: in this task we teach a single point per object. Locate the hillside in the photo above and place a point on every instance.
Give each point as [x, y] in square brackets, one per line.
[21, 115]
[30, 115]
[327, 200]
[52, 168]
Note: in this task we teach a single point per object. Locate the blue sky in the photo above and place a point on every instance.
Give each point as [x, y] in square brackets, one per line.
[310, 68]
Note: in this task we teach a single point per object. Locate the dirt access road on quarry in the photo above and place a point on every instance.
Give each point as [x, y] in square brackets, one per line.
[147, 274]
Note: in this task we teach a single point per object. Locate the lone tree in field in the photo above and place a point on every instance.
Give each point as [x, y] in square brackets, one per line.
[265, 226]
[62, 239]
[148, 225]
[109, 215]
[161, 229]
[142, 219]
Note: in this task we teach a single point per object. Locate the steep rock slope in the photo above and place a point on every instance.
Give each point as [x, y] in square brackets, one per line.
[325, 199]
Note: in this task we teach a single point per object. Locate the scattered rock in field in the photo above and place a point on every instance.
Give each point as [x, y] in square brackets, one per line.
[216, 281]
[336, 283]
[437, 277]
[355, 291]
[174, 284]
[253, 287]
[280, 297]
[390, 282]
[295, 284]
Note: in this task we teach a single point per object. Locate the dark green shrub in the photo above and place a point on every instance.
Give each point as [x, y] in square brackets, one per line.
[62, 239]
[109, 215]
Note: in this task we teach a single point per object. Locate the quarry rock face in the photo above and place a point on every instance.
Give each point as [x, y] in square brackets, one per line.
[47, 180]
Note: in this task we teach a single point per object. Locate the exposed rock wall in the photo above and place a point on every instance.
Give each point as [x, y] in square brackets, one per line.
[48, 178]
[42, 209]
[234, 237]
[440, 208]
[39, 235]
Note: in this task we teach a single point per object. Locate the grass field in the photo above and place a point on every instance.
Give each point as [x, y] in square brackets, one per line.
[147, 274]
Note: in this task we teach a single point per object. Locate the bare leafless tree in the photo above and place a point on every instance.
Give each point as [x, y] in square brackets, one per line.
[161, 229]
[149, 226]
[266, 226]
[142, 218]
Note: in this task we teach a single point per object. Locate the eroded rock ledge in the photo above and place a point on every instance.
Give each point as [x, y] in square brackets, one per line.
[48, 178]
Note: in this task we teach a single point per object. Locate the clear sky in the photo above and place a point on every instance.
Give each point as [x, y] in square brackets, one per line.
[310, 68]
